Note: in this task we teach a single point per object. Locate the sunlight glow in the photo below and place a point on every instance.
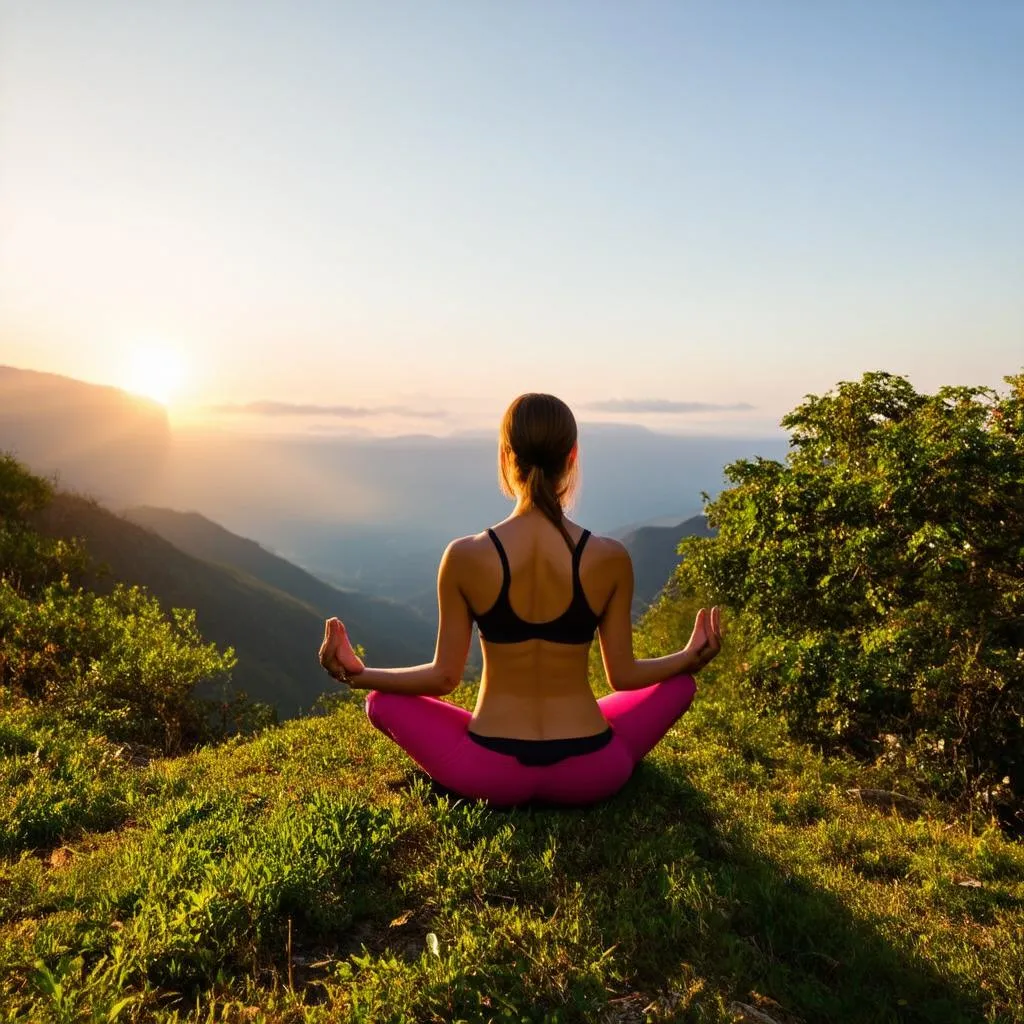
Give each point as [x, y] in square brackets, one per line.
[156, 373]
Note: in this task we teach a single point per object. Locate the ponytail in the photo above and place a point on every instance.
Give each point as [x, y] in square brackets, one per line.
[542, 494]
[536, 460]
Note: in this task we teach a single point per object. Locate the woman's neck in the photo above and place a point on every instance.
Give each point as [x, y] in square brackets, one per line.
[524, 508]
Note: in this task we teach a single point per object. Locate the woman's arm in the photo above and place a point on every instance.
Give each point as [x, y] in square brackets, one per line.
[624, 671]
[437, 678]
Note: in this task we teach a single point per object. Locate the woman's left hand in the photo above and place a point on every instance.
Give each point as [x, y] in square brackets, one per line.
[706, 639]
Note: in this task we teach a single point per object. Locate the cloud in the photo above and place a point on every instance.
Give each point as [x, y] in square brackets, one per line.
[635, 405]
[267, 408]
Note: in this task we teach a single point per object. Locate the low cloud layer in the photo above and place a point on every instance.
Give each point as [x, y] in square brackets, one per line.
[635, 405]
[267, 408]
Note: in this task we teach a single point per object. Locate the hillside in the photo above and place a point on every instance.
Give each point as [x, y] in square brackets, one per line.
[275, 634]
[653, 550]
[311, 874]
[200, 537]
[414, 619]
[96, 438]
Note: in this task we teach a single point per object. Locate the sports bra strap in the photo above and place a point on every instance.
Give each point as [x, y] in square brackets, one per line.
[577, 553]
[500, 624]
[506, 572]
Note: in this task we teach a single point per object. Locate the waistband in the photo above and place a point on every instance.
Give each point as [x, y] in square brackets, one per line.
[541, 753]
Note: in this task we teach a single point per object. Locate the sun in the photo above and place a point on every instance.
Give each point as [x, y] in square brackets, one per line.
[156, 373]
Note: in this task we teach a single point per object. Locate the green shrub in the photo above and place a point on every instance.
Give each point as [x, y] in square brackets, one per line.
[27, 560]
[878, 575]
[115, 663]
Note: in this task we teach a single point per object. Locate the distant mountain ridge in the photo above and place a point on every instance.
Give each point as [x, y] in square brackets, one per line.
[621, 532]
[364, 614]
[95, 438]
[275, 633]
[200, 537]
[371, 513]
[653, 550]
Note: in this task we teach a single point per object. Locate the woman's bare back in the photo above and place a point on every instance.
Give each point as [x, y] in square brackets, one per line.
[535, 688]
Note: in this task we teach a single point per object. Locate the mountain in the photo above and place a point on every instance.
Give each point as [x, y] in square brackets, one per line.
[414, 619]
[275, 634]
[99, 439]
[653, 550]
[369, 513]
[368, 618]
[622, 532]
[202, 538]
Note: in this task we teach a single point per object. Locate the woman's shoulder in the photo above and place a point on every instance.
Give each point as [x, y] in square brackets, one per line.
[468, 548]
[601, 548]
[607, 547]
[597, 545]
[464, 545]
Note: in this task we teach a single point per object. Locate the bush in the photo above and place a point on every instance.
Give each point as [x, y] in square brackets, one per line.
[27, 560]
[879, 575]
[116, 663]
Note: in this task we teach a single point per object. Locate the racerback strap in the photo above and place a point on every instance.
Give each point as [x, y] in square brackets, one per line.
[506, 572]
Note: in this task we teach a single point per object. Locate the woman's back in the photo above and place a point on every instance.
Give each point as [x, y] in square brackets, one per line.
[537, 609]
[538, 587]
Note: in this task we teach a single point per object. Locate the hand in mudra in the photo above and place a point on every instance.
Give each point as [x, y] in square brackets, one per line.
[706, 639]
[336, 654]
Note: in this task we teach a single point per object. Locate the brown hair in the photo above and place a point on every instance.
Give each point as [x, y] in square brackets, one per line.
[538, 433]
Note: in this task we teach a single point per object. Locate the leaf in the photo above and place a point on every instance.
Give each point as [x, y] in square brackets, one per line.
[115, 1011]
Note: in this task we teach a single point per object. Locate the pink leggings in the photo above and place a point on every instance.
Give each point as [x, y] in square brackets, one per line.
[434, 734]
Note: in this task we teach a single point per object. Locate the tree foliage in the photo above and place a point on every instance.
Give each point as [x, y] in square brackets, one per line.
[878, 574]
[28, 561]
[117, 662]
[114, 662]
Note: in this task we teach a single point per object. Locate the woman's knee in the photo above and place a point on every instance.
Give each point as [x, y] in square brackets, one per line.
[376, 705]
[688, 690]
[684, 689]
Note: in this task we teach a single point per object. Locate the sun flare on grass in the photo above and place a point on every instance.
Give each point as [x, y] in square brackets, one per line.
[156, 373]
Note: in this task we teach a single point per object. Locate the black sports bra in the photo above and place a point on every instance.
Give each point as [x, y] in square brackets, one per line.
[576, 625]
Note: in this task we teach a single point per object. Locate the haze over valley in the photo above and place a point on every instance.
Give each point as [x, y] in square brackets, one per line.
[368, 513]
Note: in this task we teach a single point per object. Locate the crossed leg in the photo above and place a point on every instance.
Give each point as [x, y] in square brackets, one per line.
[640, 718]
[434, 734]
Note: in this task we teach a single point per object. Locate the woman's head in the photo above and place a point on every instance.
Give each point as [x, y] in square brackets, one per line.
[537, 454]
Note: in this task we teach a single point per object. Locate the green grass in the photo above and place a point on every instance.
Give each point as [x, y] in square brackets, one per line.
[734, 867]
[56, 780]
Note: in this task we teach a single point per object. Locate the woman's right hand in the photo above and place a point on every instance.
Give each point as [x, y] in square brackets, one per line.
[336, 654]
[706, 639]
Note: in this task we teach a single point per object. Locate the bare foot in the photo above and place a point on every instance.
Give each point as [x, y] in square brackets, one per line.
[336, 654]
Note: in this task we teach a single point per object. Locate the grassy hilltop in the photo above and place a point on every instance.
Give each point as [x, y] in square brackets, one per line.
[824, 837]
[301, 875]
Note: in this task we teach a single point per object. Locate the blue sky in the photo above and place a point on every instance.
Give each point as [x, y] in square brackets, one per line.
[430, 207]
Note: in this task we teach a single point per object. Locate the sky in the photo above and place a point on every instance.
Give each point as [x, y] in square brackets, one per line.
[393, 217]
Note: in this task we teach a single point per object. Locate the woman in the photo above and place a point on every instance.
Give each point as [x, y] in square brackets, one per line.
[538, 586]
